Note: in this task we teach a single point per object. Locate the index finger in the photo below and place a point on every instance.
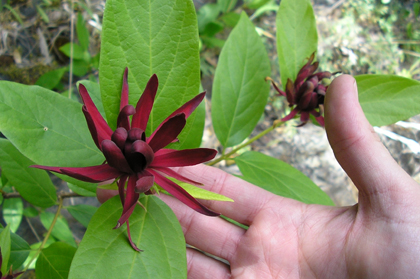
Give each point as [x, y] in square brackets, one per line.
[248, 198]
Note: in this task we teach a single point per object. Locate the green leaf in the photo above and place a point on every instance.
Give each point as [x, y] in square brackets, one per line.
[82, 213]
[82, 32]
[297, 36]
[85, 189]
[226, 5]
[280, 178]
[45, 127]
[206, 14]
[106, 253]
[12, 213]
[255, 4]
[33, 255]
[5, 245]
[240, 91]
[150, 37]
[19, 251]
[51, 79]
[30, 212]
[55, 261]
[386, 99]
[78, 52]
[34, 185]
[80, 67]
[200, 193]
[61, 228]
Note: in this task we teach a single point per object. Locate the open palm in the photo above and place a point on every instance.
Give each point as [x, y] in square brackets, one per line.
[377, 238]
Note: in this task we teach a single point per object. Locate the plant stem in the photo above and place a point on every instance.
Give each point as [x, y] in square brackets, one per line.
[236, 149]
[60, 206]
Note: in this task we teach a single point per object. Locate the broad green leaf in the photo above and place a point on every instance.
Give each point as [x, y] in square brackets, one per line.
[280, 178]
[82, 32]
[82, 213]
[240, 91]
[386, 99]
[106, 253]
[34, 185]
[19, 250]
[13, 212]
[80, 67]
[78, 52]
[255, 4]
[61, 228]
[52, 78]
[297, 36]
[5, 245]
[45, 127]
[54, 261]
[200, 193]
[150, 37]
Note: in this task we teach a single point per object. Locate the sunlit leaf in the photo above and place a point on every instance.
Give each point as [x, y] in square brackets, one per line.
[240, 91]
[12, 212]
[386, 99]
[106, 253]
[54, 261]
[280, 178]
[297, 36]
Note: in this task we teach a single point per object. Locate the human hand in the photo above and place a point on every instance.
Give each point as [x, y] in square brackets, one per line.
[377, 238]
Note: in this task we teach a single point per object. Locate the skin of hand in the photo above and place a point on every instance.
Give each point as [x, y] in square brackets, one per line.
[377, 238]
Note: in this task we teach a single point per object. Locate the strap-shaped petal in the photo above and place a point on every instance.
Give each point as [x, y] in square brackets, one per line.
[167, 132]
[124, 90]
[145, 104]
[290, 115]
[96, 120]
[130, 201]
[186, 108]
[181, 158]
[115, 157]
[92, 174]
[175, 175]
[124, 117]
[182, 195]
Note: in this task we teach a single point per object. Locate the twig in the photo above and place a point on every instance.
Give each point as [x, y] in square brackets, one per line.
[60, 195]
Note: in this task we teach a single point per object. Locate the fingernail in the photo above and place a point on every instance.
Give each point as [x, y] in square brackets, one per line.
[356, 90]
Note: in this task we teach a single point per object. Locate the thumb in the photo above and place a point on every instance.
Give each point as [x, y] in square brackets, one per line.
[359, 150]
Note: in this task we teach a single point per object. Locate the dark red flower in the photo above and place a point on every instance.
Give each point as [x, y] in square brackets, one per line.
[306, 93]
[137, 160]
[9, 275]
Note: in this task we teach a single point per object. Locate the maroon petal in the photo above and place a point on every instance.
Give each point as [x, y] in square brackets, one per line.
[290, 115]
[181, 158]
[115, 157]
[186, 109]
[124, 90]
[136, 134]
[120, 136]
[145, 104]
[143, 148]
[282, 93]
[319, 118]
[182, 195]
[92, 174]
[133, 245]
[121, 188]
[175, 175]
[145, 181]
[124, 117]
[304, 117]
[94, 119]
[130, 201]
[189, 106]
[167, 132]
[290, 92]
